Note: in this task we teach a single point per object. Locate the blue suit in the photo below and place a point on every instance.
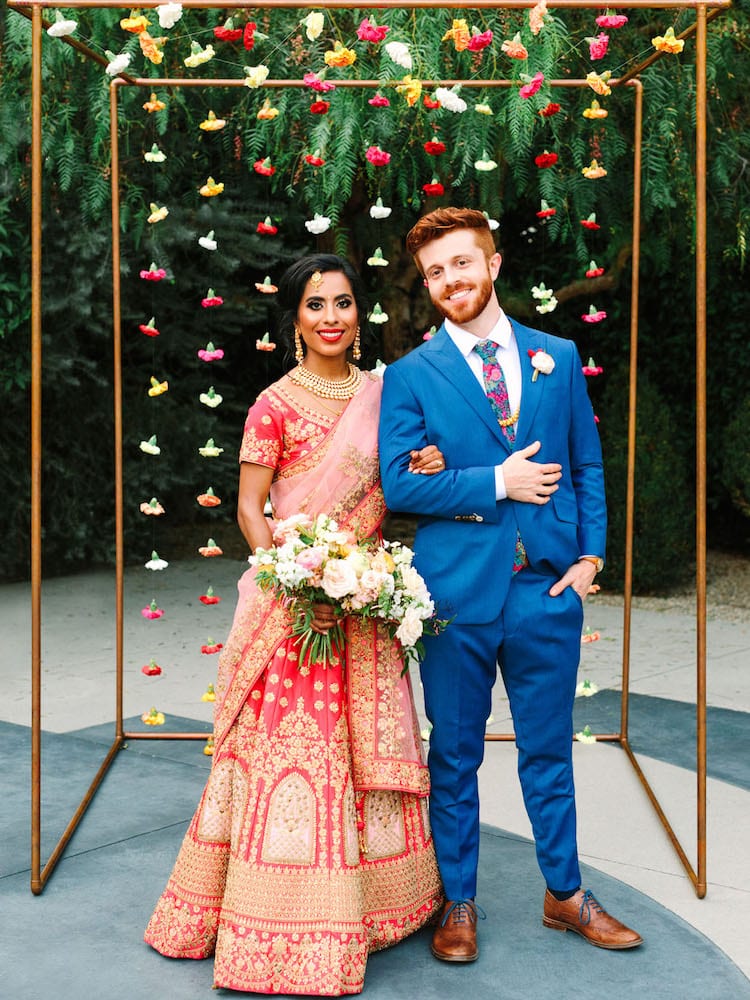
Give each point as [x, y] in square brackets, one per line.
[464, 549]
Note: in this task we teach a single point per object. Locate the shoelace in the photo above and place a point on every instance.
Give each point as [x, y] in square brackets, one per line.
[463, 910]
[589, 900]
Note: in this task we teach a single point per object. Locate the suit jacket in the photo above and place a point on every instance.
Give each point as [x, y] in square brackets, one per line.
[465, 538]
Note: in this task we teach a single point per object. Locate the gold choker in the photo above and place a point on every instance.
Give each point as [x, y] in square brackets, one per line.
[324, 387]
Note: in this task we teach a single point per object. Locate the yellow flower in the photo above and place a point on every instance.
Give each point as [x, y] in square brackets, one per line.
[599, 83]
[256, 76]
[410, 89]
[212, 123]
[157, 214]
[154, 104]
[135, 24]
[157, 388]
[211, 188]
[595, 110]
[460, 34]
[668, 43]
[198, 56]
[153, 718]
[209, 694]
[339, 55]
[152, 47]
[208, 749]
[267, 113]
[313, 25]
[483, 109]
[593, 171]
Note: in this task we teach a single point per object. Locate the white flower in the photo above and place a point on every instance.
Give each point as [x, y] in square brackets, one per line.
[313, 25]
[379, 369]
[117, 64]
[256, 75]
[485, 163]
[399, 53]
[62, 26]
[169, 14]
[289, 529]
[379, 210]
[155, 155]
[291, 574]
[585, 736]
[541, 292]
[411, 628]
[414, 585]
[377, 315]
[318, 224]
[210, 398]
[150, 446]
[586, 689]
[377, 259]
[483, 109]
[492, 223]
[208, 242]
[450, 100]
[339, 578]
[548, 306]
[542, 362]
[198, 56]
[155, 562]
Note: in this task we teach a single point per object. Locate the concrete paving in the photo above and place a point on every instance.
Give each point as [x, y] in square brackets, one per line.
[619, 831]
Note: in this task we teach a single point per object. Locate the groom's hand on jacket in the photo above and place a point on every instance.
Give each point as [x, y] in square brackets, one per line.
[527, 481]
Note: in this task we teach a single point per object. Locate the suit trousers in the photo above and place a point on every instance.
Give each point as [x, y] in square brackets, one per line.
[536, 641]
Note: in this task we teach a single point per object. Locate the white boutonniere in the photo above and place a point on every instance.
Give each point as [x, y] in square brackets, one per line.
[541, 362]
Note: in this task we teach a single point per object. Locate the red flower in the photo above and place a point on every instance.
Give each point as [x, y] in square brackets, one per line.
[264, 167]
[209, 597]
[377, 156]
[430, 103]
[478, 42]
[611, 20]
[378, 101]
[151, 669]
[314, 161]
[433, 188]
[212, 647]
[591, 368]
[549, 109]
[546, 213]
[248, 37]
[367, 32]
[434, 147]
[590, 223]
[545, 159]
[319, 107]
[154, 273]
[594, 317]
[148, 328]
[227, 34]
[267, 228]
[212, 300]
[594, 272]
[151, 611]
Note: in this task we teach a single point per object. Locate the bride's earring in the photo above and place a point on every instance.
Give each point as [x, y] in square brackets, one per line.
[356, 352]
[299, 355]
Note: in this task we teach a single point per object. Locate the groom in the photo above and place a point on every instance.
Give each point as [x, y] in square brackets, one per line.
[510, 537]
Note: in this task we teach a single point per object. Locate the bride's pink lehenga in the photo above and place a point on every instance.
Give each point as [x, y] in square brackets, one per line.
[311, 845]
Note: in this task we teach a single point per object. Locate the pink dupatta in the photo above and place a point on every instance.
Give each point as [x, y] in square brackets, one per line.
[339, 477]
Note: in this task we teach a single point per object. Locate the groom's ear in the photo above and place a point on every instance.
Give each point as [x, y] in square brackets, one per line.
[494, 264]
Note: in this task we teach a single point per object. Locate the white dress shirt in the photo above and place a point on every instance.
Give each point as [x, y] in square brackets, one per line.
[509, 361]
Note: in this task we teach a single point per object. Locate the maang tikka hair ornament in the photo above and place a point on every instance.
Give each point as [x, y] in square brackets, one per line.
[316, 280]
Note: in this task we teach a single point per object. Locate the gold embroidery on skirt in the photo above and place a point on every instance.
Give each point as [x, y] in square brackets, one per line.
[349, 822]
[385, 835]
[290, 828]
[216, 814]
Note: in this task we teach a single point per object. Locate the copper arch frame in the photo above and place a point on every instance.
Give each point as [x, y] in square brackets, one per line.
[705, 11]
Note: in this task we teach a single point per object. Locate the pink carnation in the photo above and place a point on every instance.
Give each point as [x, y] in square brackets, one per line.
[480, 41]
[533, 86]
[367, 32]
[313, 81]
[377, 156]
[598, 46]
[611, 20]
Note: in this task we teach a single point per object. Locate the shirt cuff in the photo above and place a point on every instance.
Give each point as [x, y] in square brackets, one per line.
[500, 492]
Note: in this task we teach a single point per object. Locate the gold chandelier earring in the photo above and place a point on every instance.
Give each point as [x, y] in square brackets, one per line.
[356, 352]
[299, 354]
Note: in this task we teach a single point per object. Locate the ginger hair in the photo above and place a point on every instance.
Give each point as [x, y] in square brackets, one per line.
[446, 220]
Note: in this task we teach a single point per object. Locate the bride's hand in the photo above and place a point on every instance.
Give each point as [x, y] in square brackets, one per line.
[324, 618]
[428, 461]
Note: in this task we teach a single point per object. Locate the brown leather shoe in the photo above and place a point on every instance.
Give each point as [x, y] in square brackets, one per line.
[455, 937]
[585, 915]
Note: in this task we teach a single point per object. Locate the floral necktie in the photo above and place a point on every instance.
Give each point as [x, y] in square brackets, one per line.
[497, 394]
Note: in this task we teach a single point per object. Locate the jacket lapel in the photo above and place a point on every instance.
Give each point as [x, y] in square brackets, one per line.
[531, 390]
[442, 353]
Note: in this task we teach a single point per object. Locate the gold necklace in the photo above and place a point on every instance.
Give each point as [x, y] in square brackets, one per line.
[327, 388]
[509, 421]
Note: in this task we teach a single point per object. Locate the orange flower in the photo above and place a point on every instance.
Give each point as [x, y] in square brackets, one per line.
[460, 34]
[212, 123]
[514, 47]
[595, 110]
[536, 17]
[135, 24]
[210, 549]
[265, 286]
[211, 188]
[154, 104]
[593, 171]
[267, 113]
[410, 89]
[152, 47]
[153, 718]
[209, 498]
[668, 43]
[339, 55]
[599, 83]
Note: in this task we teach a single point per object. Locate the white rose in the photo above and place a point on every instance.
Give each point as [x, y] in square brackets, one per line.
[289, 529]
[318, 224]
[414, 585]
[410, 629]
[339, 578]
[543, 362]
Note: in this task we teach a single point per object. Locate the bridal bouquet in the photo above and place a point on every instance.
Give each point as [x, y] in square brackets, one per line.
[314, 561]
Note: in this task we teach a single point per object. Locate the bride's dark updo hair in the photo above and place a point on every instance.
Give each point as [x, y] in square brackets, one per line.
[292, 286]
